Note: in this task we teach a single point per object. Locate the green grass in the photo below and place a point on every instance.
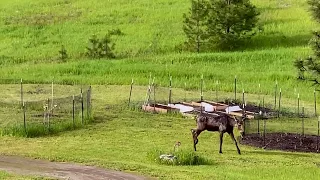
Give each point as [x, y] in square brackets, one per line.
[32, 32]
[123, 139]
[6, 176]
[42, 30]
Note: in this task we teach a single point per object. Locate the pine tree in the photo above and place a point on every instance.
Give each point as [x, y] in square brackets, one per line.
[309, 68]
[195, 25]
[93, 49]
[230, 22]
[315, 9]
[106, 47]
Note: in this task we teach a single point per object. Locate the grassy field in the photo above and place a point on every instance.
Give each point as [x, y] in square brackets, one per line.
[123, 139]
[32, 32]
[33, 36]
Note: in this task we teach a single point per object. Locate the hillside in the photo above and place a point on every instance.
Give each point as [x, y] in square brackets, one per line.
[33, 31]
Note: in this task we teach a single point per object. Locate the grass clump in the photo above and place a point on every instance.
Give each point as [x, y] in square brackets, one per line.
[182, 158]
[37, 130]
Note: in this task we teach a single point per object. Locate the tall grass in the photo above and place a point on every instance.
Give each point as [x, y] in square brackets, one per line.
[150, 27]
[37, 130]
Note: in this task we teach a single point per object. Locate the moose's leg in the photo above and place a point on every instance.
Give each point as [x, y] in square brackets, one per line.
[235, 141]
[195, 134]
[221, 140]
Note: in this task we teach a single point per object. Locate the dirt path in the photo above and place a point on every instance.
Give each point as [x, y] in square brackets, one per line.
[24, 166]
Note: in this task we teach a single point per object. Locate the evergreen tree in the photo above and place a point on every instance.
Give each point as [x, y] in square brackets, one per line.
[101, 48]
[309, 68]
[106, 47]
[195, 25]
[93, 48]
[315, 9]
[230, 22]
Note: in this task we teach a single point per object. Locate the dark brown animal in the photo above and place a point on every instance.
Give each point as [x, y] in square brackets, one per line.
[222, 123]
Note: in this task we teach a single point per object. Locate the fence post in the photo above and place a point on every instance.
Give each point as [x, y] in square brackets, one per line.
[298, 105]
[131, 86]
[48, 113]
[24, 117]
[170, 90]
[201, 89]
[81, 107]
[90, 100]
[235, 87]
[185, 92]
[217, 90]
[243, 97]
[315, 102]
[154, 97]
[264, 132]
[52, 105]
[280, 94]
[275, 95]
[21, 93]
[302, 118]
[73, 109]
[318, 134]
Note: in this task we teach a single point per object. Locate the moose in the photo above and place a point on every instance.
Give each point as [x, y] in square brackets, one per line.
[221, 123]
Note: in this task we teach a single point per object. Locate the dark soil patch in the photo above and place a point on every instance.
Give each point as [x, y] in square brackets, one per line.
[283, 141]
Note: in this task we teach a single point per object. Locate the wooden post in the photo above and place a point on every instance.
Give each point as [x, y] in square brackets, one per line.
[235, 88]
[298, 110]
[201, 89]
[73, 109]
[264, 132]
[87, 103]
[21, 93]
[170, 90]
[130, 92]
[48, 113]
[185, 92]
[318, 134]
[275, 95]
[148, 92]
[154, 97]
[24, 118]
[242, 96]
[259, 94]
[81, 107]
[217, 90]
[279, 103]
[52, 105]
[315, 102]
[302, 118]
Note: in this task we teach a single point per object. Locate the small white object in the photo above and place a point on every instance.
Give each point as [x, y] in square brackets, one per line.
[181, 107]
[233, 109]
[207, 107]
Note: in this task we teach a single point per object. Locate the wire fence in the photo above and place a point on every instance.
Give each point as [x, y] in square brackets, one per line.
[37, 109]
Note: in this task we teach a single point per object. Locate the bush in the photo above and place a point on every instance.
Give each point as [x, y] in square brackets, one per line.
[102, 47]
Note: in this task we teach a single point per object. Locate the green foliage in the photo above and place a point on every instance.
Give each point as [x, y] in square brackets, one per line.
[195, 25]
[230, 22]
[225, 24]
[315, 9]
[102, 48]
[309, 68]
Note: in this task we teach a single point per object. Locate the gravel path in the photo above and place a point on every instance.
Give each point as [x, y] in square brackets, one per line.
[24, 166]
